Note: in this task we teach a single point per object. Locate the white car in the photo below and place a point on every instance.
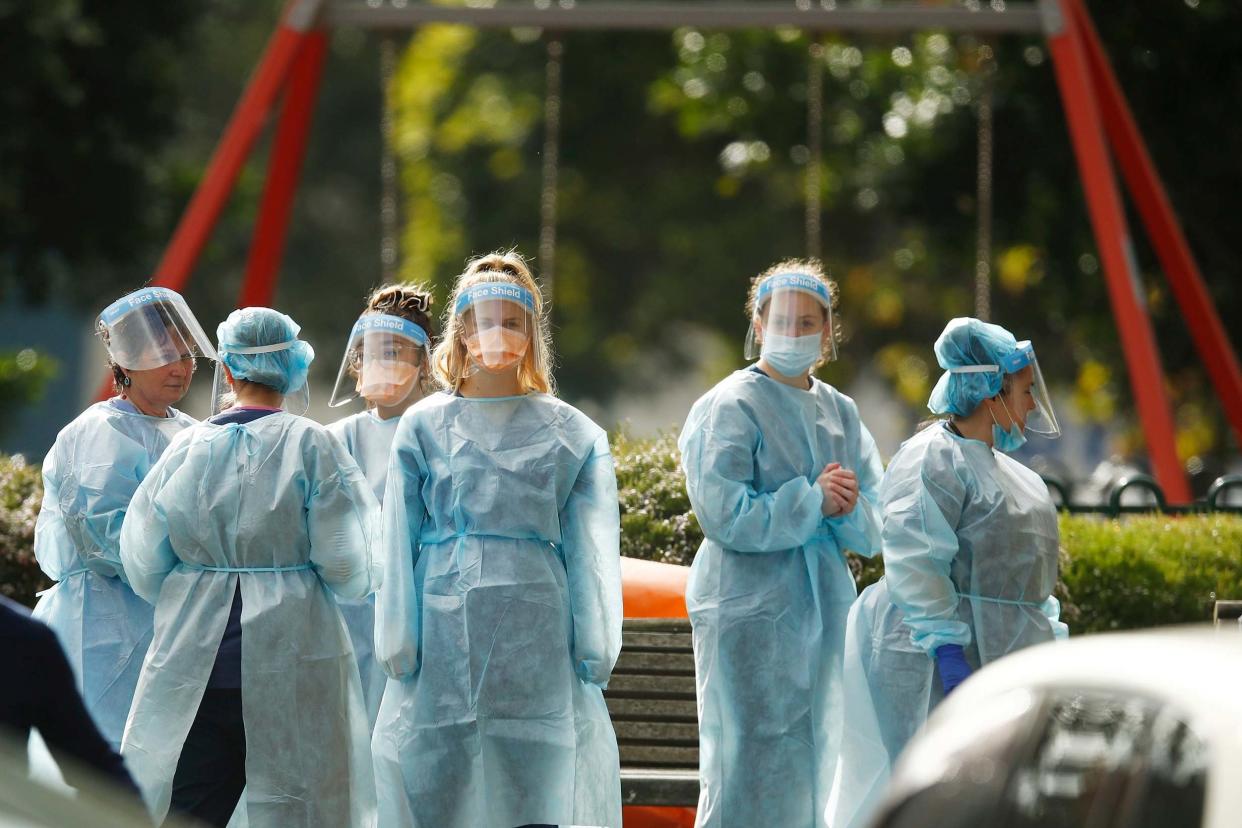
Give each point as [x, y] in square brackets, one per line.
[1125, 730]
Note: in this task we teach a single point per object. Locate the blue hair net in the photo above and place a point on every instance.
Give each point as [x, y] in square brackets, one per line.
[284, 370]
[967, 341]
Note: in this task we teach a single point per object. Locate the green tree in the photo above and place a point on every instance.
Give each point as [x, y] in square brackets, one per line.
[683, 163]
[90, 95]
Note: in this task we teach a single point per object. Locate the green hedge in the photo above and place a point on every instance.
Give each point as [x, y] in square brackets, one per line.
[1126, 573]
[21, 490]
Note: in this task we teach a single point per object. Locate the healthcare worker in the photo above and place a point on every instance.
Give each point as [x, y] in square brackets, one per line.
[387, 365]
[89, 477]
[237, 536]
[970, 554]
[500, 615]
[783, 477]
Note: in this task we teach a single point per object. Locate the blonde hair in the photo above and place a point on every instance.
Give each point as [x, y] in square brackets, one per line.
[451, 360]
[412, 301]
[810, 267]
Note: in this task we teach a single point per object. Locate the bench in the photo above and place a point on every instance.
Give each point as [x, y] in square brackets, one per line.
[651, 700]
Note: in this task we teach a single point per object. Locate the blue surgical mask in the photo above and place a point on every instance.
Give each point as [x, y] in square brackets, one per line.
[791, 355]
[1010, 440]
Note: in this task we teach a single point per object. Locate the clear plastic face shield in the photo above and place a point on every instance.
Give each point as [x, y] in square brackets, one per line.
[496, 323]
[1028, 403]
[793, 315]
[150, 328]
[296, 401]
[384, 361]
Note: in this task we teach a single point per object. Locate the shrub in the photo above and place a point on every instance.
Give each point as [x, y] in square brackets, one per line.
[657, 522]
[1148, 570]
[21, 492]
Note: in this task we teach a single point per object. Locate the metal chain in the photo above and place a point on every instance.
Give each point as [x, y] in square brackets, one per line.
[815, 146]
[388, 164]
[551, 165]
[983, 199]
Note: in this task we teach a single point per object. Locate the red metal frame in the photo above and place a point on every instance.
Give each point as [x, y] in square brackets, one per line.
[1116, 250]
[284, 164]
[1163, 228]
[1094, 107]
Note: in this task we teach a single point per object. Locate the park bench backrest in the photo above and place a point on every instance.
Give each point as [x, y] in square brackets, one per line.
[651, 696]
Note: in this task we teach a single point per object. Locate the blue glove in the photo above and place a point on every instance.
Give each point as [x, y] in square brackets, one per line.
[953, 667]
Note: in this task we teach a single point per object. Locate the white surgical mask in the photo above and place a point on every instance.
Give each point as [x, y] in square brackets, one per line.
[791, 355]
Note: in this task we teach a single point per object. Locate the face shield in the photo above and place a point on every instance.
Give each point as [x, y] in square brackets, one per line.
[793, 312]
[496, 322]
[296, 401]
[1032, 398]
[1028, 400]
[384, 359]
[150, 328]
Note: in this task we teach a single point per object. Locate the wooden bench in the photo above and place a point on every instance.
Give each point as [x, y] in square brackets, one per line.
[651, 700]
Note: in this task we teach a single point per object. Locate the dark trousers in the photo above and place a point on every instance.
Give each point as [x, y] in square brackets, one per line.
[212, 771]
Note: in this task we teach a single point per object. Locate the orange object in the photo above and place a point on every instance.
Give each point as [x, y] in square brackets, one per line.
[637, 816]
[654, 590]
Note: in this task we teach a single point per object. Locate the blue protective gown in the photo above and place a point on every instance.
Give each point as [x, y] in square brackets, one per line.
[368, 439]
[769, 591]
[278, 507]
[970, 555]
[500, 616]
[89, 477]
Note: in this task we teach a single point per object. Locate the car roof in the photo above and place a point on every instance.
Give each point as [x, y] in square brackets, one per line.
[1196, 671]
[1200, 667]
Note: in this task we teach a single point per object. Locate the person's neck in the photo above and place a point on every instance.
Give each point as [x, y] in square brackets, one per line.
[801, 381]
[978, 426]
[146, 405]
[258, 396]
[388, 412]
[486, 384]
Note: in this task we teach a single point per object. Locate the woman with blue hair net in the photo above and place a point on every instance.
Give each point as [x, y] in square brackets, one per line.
[387, 365]
[89, 477]
[783, 477]
[500, 616]
[237, 536]
[970, 548]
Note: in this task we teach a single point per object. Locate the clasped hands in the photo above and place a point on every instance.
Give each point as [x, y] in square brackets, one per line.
[840, 487]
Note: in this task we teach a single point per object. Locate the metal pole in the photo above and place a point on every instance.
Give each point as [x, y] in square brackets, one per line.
[1017, 16]
[283, 167]
[1163, 228]
[1112, 237]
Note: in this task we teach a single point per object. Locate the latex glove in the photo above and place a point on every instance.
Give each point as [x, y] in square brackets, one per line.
[953, 667]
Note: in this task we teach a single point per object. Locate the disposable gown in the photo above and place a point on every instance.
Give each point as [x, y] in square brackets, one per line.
[501, 616]
[970, 555]
[769, 591]
[368, 439]
[277, 506]
[89, 477]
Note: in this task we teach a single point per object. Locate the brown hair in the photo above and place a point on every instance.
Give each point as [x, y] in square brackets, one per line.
[810, 267]
[451, 359]
[411, 301]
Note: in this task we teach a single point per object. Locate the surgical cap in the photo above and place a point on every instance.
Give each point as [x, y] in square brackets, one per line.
[285, 369]
[966, 341]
